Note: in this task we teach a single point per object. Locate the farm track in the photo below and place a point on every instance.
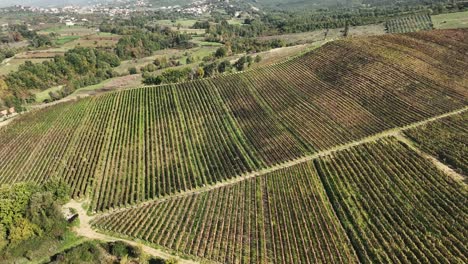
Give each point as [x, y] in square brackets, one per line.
[396, 132]
[85, 230]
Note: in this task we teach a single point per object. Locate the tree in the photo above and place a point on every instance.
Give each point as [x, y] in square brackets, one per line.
[200, 73]
[22, 230]
[258, 59]
[221, 52]
[153, 80]
[224, 66]
[240, 63]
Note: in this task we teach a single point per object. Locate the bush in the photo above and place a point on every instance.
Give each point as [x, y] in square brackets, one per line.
[132, 70]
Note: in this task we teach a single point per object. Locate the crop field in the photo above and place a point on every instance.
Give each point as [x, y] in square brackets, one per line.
[141, 144]
[286, 217]
[446, 140]
[409, 24]
[261, 220]
[395, 205]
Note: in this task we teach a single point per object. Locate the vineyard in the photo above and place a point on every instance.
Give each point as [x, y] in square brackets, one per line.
[126, 147]
[411, 23]
[446, 140]
[393, 205]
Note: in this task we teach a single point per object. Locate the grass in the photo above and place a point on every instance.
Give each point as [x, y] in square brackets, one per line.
[43, 95]
[186, 23]
[69, 30]
[66, 39]
[451, 20]
[71, 240]
[13, 64]
[92, 87]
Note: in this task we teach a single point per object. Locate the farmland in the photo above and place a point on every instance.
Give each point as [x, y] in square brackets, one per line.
[286, 217]
[409, 24]
[395, 205]
[141, 144]
[254, 221]
[446, 140]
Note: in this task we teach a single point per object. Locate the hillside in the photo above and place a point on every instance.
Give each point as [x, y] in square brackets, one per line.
[385, 204]
[136, 145]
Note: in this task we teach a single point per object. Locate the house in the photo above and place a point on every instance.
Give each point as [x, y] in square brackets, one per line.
[3, 113]
[69, 23]
[11, 110]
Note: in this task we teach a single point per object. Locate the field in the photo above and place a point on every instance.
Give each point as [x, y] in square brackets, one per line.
[10, 65]
[286, 217]
[409, 24]
[446, 140]
[63, 30]
[260, 220]
[324, 35]
[142, 144]
[451, 20]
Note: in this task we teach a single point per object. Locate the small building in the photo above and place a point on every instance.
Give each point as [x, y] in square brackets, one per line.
[69, 23]
[11, 110]
[3, 113]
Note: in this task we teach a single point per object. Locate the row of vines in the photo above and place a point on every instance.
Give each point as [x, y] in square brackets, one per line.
[283, 217]
[445, 139]
[409, 24]
[135, 145]
[395, 205]
[375, 203]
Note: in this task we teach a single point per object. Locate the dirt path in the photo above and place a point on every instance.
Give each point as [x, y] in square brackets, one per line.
[85, 230]
[396, 132]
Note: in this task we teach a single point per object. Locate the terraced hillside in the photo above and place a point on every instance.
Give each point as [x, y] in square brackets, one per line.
[393, 206]
[126, 147]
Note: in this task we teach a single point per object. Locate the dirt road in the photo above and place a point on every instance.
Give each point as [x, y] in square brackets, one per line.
[84, 229]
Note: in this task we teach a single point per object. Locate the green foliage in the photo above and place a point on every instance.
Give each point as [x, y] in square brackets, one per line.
[29, 211]
[21, 230]
[88, 252]
[59, 189]
[78, 67]
[142, 43]
[132, 70]
[119, 249]
[221, 52]
[240, 63]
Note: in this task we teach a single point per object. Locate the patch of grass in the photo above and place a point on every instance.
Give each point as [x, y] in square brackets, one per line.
[451, 20]
[43, 95]
[66, 39]
[13, 64]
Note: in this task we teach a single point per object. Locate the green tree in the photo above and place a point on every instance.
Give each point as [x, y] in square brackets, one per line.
[221, 52]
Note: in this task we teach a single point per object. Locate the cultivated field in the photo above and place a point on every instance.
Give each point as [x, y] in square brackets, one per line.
[446, 140]
[409, 24]
[286, 217]
[136, 145]
[281, 217]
